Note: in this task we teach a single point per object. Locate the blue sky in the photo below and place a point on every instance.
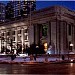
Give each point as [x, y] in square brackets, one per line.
[43, 4]
[46, 3]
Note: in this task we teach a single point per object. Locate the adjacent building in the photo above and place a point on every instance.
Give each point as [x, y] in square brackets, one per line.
[18, 9]
[2, 12]
[54, 26]
[9, 11]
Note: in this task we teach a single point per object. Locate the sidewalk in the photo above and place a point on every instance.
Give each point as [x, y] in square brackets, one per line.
[27, 60]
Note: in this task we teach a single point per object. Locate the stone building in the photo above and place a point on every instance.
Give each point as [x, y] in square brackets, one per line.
[53, 25]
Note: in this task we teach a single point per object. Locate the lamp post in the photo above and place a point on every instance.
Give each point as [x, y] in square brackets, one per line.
[71, 45]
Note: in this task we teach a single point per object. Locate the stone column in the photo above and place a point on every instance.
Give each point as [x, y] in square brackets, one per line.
[22, 39]
[63, 37]
[66, 39]
[49, 33]
[58, 36]
[53, 36]
[16, 37]
[11, 39]
[63, 41]
[0, 42]
[5, 40]
[37, 33]
[31, 34]
[74, 39]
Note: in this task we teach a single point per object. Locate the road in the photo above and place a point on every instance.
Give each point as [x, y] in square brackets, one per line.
[42, 68]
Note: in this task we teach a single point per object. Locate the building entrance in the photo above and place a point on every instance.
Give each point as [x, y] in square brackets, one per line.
[43, 38]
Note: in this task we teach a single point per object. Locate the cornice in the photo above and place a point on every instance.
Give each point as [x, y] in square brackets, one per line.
[43, 14]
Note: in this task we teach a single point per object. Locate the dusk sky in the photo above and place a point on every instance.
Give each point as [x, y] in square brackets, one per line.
[43, 4]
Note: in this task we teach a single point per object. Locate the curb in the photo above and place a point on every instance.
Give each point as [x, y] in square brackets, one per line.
[32, 62]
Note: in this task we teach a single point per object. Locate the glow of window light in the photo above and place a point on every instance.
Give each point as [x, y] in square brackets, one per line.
[71, 44]
[45, 46]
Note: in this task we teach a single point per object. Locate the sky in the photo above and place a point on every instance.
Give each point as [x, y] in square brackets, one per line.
[43, 4]
[46, 3]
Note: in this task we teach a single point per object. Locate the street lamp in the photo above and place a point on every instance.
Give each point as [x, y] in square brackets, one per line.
[71, 45]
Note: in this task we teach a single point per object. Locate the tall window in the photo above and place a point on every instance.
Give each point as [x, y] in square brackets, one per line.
[8, 33]
[44, 30]
[2, 34]
[25, 37]
[26, 31]
[19, 31]
[19, 38]
[13, 38]
[13, 32]
[69, 29]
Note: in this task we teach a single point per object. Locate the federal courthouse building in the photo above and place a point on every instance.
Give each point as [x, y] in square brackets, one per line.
[54, 26]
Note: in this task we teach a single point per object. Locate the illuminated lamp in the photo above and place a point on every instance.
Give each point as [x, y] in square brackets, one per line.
[45, 46]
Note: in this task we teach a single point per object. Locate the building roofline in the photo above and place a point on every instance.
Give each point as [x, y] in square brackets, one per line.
[72, 13]
[59, 6]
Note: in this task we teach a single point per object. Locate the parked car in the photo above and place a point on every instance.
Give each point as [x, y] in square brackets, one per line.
[23, 55]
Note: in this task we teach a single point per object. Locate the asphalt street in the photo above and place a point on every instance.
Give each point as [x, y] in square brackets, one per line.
[42, 68]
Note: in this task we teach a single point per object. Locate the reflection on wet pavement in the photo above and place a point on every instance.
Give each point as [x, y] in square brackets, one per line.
[53, 69]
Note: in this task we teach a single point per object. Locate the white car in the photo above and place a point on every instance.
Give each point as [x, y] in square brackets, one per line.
[23, 55]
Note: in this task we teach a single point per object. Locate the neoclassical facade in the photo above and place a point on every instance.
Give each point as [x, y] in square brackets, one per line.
[53, 25]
